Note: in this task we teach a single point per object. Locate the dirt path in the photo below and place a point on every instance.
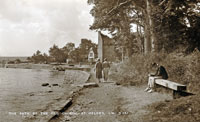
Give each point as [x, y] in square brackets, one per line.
[111, 103]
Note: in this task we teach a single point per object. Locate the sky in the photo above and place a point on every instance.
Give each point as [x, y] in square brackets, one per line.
[30, 25]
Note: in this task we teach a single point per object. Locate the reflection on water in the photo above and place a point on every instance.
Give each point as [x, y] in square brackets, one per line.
[26, 80]
[21, 90]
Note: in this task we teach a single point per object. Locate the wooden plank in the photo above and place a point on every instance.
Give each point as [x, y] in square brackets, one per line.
[170, 84]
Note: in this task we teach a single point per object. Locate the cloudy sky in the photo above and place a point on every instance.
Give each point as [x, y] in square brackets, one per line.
[30, 25]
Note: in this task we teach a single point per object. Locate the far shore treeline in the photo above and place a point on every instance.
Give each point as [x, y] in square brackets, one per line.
[68, 53]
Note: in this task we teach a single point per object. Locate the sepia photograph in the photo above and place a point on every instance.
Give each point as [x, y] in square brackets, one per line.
[99, 60]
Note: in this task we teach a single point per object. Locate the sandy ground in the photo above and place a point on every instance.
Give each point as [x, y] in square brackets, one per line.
[111, 103]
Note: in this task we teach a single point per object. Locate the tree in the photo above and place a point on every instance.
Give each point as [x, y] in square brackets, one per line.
[67, 49]
[84, 48]
[46, 58]
[57, 54]
[75, 55]
[117, 18]
[37, 57]
[162, 23]
[183, 20]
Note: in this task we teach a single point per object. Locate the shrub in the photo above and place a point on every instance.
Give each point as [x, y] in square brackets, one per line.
[184, 69]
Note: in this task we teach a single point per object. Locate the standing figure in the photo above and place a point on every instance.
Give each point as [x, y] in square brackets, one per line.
[160, 73]
[106, 67]
[98, 68]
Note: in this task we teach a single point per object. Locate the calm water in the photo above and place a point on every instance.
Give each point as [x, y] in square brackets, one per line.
[23, 81]
[21, 90]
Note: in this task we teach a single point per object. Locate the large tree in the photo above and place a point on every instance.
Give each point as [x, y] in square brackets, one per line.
[57, 54]
[68, 49]
[117, 17]
[84, 48]
[163, 23]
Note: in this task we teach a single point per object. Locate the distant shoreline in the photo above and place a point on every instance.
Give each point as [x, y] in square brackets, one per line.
[61, 67]
[28, 66]
[12, 58]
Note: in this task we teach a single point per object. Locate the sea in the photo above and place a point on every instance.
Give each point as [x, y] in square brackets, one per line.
[21, 92]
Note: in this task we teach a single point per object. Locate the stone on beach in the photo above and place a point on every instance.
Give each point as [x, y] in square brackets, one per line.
[55, 84]
[45, 84]
[86, 85]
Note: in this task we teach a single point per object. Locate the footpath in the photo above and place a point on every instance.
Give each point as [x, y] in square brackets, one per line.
[111, 103]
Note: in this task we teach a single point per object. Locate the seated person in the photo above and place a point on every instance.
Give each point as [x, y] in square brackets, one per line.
[160, 73]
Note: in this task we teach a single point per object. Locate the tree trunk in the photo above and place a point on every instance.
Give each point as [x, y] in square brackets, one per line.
[149, 30]
[147, 40]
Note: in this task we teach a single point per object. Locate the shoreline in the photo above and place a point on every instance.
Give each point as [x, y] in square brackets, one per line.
[65, 102]
[53, 98]
[61, 67]
[110, 102]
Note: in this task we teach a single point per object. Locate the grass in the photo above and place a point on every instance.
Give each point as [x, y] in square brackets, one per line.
[181, 68]
[184, 69]
[186, 109]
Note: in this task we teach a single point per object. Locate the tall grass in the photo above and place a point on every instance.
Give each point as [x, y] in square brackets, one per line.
[181, 68]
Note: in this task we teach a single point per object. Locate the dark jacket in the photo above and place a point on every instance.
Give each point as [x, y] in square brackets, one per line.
[98, 68]
[162, 72]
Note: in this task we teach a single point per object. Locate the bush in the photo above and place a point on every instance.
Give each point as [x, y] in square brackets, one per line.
[134, 71]
[181, 68]
[184, 69]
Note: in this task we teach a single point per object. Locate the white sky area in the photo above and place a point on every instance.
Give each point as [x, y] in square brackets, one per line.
[30, 25]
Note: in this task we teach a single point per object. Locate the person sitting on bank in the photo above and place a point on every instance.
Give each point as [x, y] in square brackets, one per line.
[106, 67]
[160, 73]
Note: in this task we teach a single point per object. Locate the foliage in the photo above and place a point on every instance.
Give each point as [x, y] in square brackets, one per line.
[84, 48]
[18, 61]
[69, 51]
[57, 54]
[177, 24]
[181, 68]
[116, 17]
[169, 23]
[37, 57]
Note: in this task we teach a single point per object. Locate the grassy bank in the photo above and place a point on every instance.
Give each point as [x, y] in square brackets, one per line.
[186, 109]
[184, 69]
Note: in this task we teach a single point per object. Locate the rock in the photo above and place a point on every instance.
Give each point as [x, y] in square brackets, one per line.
[86, 85]
[50, 91]
[31, 94]
[54, 84]
[45, 84]
[91, 102]
[54, 68]
[117, 83]
[60, 68]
